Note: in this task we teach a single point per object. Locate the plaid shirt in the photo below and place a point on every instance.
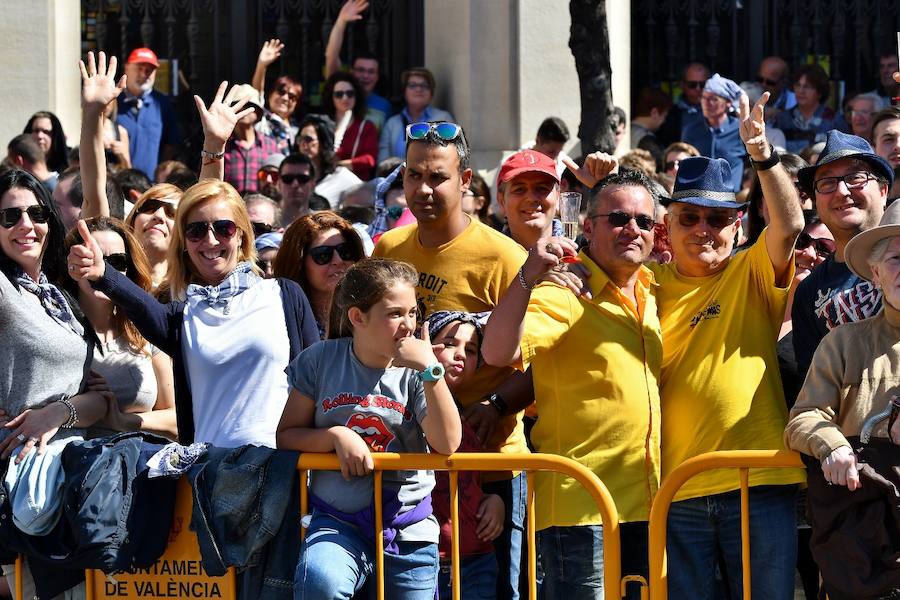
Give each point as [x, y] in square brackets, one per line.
[242, 164]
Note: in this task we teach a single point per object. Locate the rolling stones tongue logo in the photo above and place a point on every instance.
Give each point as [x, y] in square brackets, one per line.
[372, 429]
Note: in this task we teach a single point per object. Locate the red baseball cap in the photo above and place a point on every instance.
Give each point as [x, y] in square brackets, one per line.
[143, 55]
[527, 161]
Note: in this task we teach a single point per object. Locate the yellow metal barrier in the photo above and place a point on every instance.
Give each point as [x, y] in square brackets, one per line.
[744, 460]
[487, 462]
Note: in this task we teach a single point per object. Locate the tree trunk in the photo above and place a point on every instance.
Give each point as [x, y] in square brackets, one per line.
[589, 42]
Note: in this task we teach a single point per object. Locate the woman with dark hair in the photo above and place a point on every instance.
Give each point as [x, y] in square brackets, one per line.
[477, 199]
[355, 138]
[137, 375]
[809, 121]
[316, 141]
[278, 120]
[316, 252]
[48, 132]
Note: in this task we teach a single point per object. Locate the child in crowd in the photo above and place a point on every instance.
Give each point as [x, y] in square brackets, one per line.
[457, 339]
[371, 386]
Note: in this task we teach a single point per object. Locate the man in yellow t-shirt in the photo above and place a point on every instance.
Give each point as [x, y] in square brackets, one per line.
[463, 265]
[720, 386]
[596, 363]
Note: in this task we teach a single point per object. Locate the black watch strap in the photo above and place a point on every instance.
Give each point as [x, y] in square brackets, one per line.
[767, 164]
[498, 403]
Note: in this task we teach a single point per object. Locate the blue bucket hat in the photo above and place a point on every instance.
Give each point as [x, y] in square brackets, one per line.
[703, 181]
[840, 145]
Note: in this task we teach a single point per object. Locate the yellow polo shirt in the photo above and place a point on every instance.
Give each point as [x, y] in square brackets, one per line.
[471, 272]
[596, 366]
[720, 387]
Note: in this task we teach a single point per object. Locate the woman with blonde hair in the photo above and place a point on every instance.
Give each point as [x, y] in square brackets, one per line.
[316, 252]
[230, 332]
[151, 221]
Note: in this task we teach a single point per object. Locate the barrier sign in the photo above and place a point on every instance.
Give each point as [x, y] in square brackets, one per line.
[177, 574]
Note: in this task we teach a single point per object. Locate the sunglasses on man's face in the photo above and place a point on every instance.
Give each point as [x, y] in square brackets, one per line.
[321, 255]
[618, 218]
[714, 220]
[444, 130]
[341, 94]
[118, 261]
[261, 228]
[152, 205]
[289, 178]
[823, 246]
[223, 229]
[10, 216]
[264, 175]
[291, 95]
[694, 85]
[765, 81]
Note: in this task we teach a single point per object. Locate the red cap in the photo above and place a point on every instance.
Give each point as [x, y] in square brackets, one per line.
[143, 55]
[527, 161]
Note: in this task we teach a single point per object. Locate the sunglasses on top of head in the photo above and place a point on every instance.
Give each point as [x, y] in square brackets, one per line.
[36, 212]
[322, 255]
[148, 207]
[223, 229]
[444, 130]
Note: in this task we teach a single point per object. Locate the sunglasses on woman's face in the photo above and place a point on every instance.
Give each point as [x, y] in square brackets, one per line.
[10, 216]
[223, 229]
[148, 207]
[341, 94]
[822, 246]
[321, 255]
[118, 261]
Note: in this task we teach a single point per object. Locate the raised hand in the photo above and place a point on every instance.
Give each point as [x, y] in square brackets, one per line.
[270, 52]
[753, 127]
[597, 165]
[219, 119]
[98, 82]
[352, 10]
[86, 259]
[415, 353]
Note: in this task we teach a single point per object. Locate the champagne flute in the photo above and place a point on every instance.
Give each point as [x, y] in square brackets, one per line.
[569, 206]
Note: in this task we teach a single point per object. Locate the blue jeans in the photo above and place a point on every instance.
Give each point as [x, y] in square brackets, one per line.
[509, 547]
[699, 527]
[572, 558]
[477, 578]
[337, 559]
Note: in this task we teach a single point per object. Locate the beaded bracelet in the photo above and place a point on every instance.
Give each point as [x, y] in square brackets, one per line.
[73, 414]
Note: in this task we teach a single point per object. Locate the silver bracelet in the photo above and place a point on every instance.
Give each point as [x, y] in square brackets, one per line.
[73, 414]
[522, 281]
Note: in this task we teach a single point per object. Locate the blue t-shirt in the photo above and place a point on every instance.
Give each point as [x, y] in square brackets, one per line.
[150, 122]
[719, 142]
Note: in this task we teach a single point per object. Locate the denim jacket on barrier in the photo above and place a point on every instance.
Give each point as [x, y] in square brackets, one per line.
[246, 513]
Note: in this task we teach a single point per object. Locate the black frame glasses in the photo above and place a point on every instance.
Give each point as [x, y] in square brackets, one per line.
[118, 261]
[618, 218]
[853, 181]
[221, 228]
[150, 206]
[322, 255]
[36, 212]
[823, 246]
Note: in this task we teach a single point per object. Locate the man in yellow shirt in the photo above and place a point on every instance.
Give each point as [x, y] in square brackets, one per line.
[720, 388]
[463, 265]
[596, 362]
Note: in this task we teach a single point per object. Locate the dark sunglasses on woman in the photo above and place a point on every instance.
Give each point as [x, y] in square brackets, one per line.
[223, 229]
[118, 261]
[148, 207]
[349, 94]
[36, 212]
[822, 246]
[321, 255]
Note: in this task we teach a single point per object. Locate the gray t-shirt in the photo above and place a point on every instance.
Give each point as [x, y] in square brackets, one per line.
[42, 361]
[385, 407]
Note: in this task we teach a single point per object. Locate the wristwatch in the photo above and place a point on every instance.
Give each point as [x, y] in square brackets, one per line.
[767, 164]
[499, 404]
[432, 372]
[212, 155]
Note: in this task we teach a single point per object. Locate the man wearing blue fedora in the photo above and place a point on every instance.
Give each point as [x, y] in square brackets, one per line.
[850, 184]
[720, 314]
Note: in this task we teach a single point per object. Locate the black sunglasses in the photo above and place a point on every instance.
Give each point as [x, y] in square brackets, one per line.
[321, 255]
[694, 85]
[349, 94]
[118, 261]
[715, 220]
[152, 205]
[223, 228]
[36, 212]
[822, 246]
[303, 179]
[261, 228]
[618, 218]
[764, 81]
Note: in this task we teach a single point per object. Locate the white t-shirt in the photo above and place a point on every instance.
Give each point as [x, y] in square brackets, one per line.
[334, 183]
[235, 366]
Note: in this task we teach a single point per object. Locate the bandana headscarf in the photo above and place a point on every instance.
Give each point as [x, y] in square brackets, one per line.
[726, 88]
[52, 300]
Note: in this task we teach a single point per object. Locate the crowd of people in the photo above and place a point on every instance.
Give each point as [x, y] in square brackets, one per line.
[343, 281]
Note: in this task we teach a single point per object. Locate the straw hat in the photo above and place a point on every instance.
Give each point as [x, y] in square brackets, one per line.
[860, 247]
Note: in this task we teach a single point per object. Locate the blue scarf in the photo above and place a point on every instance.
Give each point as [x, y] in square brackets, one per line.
[52, 300]
[242, 278]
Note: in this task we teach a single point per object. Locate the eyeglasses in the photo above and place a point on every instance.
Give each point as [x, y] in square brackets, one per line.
[822, 246]
[47, 132]
[260, 228]
[394, 212]
[694, 85]
[671, 165]
[618, 218]
[118, 261]
[417, 86]
[853, 181]
[714, 220]
[222, 229]
[36, 212]
[285, 92]
[289, 178]
[444, 130]
[264, 175]
[861, 113]
[307, 139]
[321, 255]
[348, 94]
[712, 99]
[148, 207]
[764, 81]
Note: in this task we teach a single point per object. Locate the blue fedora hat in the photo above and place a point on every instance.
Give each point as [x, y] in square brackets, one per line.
[704, 181]
[839, 145]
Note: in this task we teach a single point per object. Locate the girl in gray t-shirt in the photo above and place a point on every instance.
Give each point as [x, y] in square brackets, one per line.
[372, 386]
